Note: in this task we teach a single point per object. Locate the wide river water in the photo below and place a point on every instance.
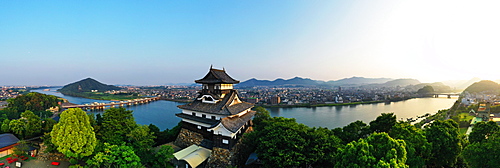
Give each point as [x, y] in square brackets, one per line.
[162, 113]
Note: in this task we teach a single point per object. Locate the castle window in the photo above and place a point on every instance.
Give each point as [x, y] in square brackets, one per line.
[194, 114]
[225, 141]
[213, 117]
[204, 116]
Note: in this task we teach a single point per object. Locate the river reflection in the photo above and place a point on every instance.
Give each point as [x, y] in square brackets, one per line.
[339, 116]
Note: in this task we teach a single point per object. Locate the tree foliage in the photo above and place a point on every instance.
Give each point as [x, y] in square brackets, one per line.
[33, 101]
[260, 115]
[116, 124]
[445, 143]
[17, 127]
[115, 156]
[73, 135]
[33, 124]
[163, 157]
[483, 153]
[353, 131]
[417, 147]
[482, 130]
[383, 123]
[378, 150]
[282, 142]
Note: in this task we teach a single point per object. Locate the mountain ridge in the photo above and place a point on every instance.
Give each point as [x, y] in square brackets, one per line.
[353, 81]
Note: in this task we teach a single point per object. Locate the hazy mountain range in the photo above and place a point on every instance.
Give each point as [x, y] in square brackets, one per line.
[353, 81]
[445, 86]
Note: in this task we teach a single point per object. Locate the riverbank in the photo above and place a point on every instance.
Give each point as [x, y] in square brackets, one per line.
[177, 100]
[104, 96]
[335, 104]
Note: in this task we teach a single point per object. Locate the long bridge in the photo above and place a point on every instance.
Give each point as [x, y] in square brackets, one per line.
[102, 106]
[436, 95]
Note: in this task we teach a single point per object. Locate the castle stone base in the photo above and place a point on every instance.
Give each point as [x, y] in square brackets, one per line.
[187, 138]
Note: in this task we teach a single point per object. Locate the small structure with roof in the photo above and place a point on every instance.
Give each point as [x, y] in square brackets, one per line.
[7, 142]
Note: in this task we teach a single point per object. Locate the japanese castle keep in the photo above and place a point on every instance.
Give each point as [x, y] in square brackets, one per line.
[213, 123]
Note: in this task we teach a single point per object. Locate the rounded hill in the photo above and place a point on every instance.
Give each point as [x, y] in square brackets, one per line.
[482, 86]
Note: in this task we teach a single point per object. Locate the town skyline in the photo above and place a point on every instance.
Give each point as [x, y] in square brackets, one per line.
[155, 43]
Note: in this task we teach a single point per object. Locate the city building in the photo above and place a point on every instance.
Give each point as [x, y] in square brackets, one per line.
[213, 122]
[275, 100]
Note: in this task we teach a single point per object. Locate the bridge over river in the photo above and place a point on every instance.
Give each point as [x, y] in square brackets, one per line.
[443, 94]
[102, 106]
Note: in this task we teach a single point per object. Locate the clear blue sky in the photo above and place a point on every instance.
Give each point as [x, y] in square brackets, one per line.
[159, 42]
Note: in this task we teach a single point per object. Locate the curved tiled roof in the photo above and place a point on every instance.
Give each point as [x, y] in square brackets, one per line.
[217, 76]
[233, 124]
[222, 107]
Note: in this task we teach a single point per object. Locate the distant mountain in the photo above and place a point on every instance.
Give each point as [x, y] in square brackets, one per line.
[86, 85]
[278, 82]
[395, 83]
[353, 81]
[461, 84]
[358, 81]
[402, 82]
[437, 86]
[484, 85]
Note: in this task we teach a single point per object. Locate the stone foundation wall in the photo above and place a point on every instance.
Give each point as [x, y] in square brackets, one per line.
[187, 138]
[219, 158]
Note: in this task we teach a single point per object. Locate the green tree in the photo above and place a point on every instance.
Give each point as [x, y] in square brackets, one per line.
[321, 147]
[445, 143]
[417, 147]
[48, 124]
[141, 140]
[282, 142]
[73, 135]
[17, 127]
[47, 142]
[482, 130]
[483, 153]
[116, 124]
[353, 131]
[260, 115]
[115, 156]
[378, 150]
[383, 123]
[5, 126]
[33, 123]
[163, 157]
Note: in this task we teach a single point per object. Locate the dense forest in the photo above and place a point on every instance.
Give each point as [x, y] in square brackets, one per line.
[384, 142]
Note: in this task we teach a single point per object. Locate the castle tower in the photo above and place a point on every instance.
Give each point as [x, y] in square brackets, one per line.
[216, 119]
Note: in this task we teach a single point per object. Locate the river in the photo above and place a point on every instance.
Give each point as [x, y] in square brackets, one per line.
[339, 116]
[162, 113]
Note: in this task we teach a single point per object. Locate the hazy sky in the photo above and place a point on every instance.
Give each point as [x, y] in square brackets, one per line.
[159, 42]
